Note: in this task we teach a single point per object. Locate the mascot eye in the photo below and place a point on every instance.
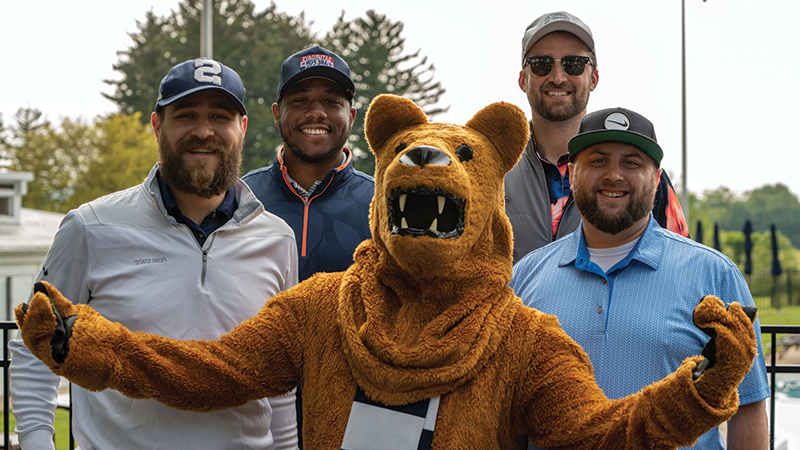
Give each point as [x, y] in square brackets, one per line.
[400, 148]
[464, 152]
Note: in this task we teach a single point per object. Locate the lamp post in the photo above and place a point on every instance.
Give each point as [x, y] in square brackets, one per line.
[684, 187]
[206, 30]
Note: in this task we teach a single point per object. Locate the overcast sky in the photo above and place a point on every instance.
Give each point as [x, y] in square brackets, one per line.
[742, 66]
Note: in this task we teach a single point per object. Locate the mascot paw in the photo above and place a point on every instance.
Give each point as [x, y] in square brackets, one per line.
[730, 352]
[45, 323]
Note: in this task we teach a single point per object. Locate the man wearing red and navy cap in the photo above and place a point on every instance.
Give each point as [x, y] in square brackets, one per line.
[312, 184]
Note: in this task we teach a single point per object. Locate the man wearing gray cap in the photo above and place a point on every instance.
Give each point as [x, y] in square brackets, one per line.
[559, 72]
[623, 287]
[189, 253]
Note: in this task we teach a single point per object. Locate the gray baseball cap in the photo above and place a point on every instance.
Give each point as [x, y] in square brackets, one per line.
[557, 21]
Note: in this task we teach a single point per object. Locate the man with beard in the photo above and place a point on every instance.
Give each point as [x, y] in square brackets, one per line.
[559, 71]
[623, 287]
[189, 253]
[312, 184]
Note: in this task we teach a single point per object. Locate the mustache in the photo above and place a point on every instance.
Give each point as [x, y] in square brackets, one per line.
[567, 86]
[195, 143]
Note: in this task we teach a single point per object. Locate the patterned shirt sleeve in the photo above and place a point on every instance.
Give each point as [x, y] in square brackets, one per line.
[667, 210]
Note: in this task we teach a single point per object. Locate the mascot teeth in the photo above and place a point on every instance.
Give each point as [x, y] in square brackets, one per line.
[422, 212]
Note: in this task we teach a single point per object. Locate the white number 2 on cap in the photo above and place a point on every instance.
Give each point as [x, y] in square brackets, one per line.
[207, 71]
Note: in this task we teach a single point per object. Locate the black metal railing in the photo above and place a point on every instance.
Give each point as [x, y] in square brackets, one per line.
[772, 370]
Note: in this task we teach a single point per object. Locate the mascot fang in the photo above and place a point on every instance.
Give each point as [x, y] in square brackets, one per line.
[420, 343]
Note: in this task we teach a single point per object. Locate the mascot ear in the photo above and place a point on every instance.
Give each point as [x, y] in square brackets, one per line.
[506, 127]
[386, 115]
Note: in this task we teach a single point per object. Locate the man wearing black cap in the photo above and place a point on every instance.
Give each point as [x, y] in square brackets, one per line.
[190, 253]
[559, 72]
[312, 184]
[623, 287]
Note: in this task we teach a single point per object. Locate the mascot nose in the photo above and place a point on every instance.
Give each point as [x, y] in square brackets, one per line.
[425, 156]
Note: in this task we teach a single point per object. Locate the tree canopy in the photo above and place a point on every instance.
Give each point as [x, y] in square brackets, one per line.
[766, 205]
[77, 161]
[373, 48]
[254, 44]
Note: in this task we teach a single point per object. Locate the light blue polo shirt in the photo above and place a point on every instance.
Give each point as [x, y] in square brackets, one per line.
[636, 322]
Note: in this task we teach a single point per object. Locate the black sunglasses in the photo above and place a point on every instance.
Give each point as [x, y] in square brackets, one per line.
[572, 65]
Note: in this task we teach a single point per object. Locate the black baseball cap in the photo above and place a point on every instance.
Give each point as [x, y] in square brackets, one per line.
[315, 62]
[198, 75]
[616, 125]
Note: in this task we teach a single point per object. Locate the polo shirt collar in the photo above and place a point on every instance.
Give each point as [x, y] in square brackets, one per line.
[648, 251]
[227, 207]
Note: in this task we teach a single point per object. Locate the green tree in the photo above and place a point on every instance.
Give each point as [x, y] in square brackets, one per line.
[373, 48]
[78, 161]
[252, 43]
[774, 204]
[124, 152]
[57, 157]
[762, 252]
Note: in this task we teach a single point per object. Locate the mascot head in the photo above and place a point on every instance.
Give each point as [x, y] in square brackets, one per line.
[438, 208]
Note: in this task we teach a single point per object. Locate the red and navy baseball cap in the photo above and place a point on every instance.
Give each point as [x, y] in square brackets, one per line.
[616, 125]
[315, 62]
[197, 75]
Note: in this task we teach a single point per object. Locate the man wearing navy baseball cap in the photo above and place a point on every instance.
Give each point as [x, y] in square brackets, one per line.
[312, 184]
[625, 288]
[190, 253]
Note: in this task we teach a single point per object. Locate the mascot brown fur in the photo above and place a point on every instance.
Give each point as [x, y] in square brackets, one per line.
[423, 313]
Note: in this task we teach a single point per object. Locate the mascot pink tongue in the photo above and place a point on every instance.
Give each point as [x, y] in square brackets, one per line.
[420, 343]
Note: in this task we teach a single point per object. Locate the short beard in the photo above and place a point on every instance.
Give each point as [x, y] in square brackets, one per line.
[576, 107]
[197, 181]
[332, 153]
[640, 205]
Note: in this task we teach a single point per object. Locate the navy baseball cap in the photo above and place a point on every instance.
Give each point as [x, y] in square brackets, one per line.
[315, 62]
[616, 125]
[197, 75]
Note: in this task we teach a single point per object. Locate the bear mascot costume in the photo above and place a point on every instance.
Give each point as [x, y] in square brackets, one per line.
[420, 343]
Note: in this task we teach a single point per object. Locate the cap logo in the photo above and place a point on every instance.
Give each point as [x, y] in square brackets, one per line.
[207, 71]
[554, 17]
[617, 121]
[309, 61]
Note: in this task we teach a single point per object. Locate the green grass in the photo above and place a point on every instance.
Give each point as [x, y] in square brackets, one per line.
[787, 315]
[62, 428]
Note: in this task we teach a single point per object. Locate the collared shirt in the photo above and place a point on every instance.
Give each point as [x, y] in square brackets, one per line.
[302, 192]
[211, 222]
[557, 176]
[636, 322]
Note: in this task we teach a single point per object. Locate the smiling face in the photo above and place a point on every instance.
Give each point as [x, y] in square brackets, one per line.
[314, 117]
[558, 97]
[200, 143]
[614, 186]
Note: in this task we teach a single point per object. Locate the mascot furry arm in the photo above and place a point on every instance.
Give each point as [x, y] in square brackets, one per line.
[423, 316]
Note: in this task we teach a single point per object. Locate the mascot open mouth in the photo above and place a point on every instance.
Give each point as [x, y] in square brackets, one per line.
[421, 211]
